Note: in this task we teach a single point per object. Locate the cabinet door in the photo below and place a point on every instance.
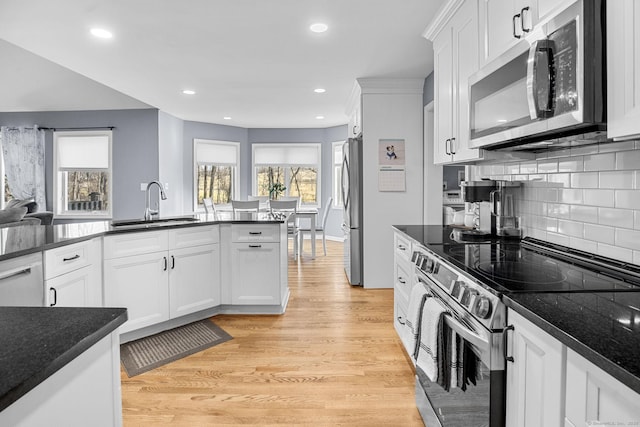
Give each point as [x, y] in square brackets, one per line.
[76, 289]
[535, 378]
[465, 62]
[443, 96]
[194, 279]
[255, 273]
[497, 28]
[623, 69]
[595, 398]
[141, 284]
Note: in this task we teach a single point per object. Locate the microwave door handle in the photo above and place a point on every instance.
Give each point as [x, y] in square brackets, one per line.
[533, 84]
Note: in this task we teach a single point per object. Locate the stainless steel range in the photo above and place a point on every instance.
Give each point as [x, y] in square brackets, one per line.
[469, 278]
[478, 316]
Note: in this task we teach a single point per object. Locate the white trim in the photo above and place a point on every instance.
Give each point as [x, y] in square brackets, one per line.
[442, 17]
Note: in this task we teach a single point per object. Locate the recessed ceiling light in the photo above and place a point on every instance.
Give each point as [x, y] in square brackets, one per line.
[319, 27]
[227, 118]
[319, 90]
[189, 92]
[101, 33]
[319, 117]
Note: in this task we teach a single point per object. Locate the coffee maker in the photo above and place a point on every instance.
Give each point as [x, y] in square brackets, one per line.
[478, 194]
[504, 208]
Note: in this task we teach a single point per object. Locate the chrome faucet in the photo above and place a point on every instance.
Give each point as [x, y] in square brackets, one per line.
[148, 212]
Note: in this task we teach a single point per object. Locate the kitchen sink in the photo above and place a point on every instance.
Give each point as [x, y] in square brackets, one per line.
[153, 222]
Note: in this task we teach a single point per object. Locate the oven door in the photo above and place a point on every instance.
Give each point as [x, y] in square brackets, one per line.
[482, 404]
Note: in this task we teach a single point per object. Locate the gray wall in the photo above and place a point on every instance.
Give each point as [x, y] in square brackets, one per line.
[427, 92]
[134, 151]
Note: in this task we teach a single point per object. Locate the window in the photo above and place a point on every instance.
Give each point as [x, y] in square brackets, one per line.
[337, 173]
[215, 171]
[82, 164]
[296, 166]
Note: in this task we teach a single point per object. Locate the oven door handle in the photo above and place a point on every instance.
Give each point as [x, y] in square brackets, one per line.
[471, 337]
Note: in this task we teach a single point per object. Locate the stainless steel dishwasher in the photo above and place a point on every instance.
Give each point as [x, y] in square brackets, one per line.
[21, 281]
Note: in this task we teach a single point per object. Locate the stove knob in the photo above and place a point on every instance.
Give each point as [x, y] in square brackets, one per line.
[467, 297]
[483, 308]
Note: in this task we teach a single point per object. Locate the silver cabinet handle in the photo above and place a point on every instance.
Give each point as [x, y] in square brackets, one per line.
[255, 246]
[504, 343]
[401, 280]
[451, 142]
[446, 146]
[254, 233]
[522, 27]
[164, 259]
[402, 248]
[173, 262]
[76, 256]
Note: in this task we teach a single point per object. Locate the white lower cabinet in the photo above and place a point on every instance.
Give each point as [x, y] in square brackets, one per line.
[596, 398]
[194, 279]
[141, 284]
[255, 269]
[535, 378]
[162, 275]
[73, 275]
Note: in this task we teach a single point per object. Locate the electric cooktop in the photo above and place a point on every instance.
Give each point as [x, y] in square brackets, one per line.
[531, 265]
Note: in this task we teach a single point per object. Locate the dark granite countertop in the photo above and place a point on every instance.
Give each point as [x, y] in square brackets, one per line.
[26, 239]
[36, 342]
[602, 327]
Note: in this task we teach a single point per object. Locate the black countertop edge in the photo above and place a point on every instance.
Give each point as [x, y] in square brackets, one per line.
[16, 386]
[50, 242]
[618, 372]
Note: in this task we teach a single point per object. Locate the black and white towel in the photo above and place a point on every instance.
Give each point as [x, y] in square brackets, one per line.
[411, 327]
[432, 340]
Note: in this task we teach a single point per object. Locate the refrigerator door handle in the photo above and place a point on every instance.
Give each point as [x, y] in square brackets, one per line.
[345, 188]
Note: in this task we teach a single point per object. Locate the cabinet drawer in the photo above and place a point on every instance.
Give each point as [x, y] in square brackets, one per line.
[402, 247]
[403, 280]
[255, 233]
[129, 244]
[67, 258]
[193, 236]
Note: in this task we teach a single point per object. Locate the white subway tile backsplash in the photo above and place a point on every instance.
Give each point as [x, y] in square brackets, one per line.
[585, 197]
[603, 198]
[584, 213]
[617, 179]
[571, 228]
[628, 160]
[628, 199]
[528, 167]
[616, 217]
[571, 195]
[547, 166]
[600, 162]
[571, 165]
[621, 254]
[584, 180]
[628, 238]
[560, 179]
[599, 233]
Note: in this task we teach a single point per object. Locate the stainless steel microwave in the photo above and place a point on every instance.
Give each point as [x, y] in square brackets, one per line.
[548, 91]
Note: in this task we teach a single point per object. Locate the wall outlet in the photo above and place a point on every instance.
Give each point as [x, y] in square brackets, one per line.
[143, 186]
[166, 186]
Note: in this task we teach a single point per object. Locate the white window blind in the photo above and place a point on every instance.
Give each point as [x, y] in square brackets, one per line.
[286, 155]
[216, 152]
[83, 152]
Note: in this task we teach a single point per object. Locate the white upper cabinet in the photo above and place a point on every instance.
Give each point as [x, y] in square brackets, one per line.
[503, 23]
[623, 69]
[455, 44]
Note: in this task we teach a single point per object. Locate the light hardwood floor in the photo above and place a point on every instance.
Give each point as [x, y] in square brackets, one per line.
[333, 359]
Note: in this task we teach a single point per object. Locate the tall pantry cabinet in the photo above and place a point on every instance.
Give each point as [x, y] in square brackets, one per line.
[387, 109]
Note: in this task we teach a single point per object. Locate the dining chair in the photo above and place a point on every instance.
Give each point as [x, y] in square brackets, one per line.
[209, 207]
[288, 208]
[245, 205]
[320, 228]
[261, 199]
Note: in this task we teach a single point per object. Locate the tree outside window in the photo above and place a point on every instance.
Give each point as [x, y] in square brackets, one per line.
[215, 171]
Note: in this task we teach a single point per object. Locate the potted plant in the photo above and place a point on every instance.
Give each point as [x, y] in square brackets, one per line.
[275, 190]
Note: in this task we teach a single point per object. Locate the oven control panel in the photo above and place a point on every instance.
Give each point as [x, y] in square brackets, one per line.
[479, 302]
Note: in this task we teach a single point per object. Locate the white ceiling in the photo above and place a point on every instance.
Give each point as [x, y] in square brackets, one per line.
[253, 60]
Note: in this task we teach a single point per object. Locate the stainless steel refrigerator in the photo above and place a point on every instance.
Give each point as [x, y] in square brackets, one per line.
[352, 209]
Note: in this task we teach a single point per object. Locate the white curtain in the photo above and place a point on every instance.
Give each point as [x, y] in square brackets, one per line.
[23, 152]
